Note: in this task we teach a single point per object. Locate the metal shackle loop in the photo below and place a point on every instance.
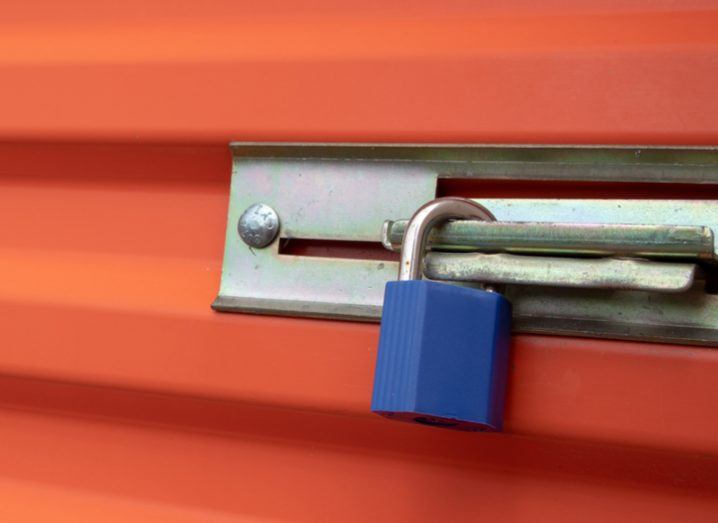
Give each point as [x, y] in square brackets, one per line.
[424, 219]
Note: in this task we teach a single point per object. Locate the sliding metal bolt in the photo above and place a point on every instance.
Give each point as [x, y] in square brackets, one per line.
[258, 225]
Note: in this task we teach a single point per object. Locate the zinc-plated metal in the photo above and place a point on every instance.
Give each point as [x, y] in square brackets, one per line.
[689, 318]
[602, 273]
[595, 163]
[604, 239]
[258, 226]
[411, 265]
[316, 199]
[346, 192]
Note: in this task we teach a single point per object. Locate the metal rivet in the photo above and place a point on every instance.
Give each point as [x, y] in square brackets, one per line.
[258, 225]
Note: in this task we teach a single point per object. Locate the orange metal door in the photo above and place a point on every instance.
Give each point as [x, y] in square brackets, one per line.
[123, 397]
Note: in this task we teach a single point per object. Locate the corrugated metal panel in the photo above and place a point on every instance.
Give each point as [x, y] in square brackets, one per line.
[125, 398]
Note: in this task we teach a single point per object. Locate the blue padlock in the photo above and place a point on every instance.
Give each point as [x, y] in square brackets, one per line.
[443, 349]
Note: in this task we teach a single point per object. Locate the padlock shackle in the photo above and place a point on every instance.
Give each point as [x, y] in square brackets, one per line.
[424, 219]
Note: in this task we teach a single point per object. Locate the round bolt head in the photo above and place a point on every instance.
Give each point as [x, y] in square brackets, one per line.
[258, 225]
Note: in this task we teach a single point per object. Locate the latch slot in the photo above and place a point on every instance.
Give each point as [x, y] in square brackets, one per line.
[336, 249]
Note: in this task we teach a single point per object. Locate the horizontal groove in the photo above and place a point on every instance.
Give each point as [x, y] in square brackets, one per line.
[469, 188]
[189, 417]
[333, 37]
[33, 500]
[136, 284]
[242, 356]
[119, 461]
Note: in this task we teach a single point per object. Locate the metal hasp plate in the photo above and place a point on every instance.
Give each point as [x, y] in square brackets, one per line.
[611, 263]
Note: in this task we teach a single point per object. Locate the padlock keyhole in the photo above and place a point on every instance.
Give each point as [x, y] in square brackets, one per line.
[435, 422]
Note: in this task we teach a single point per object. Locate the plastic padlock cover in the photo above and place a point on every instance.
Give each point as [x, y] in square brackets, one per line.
[443, 355]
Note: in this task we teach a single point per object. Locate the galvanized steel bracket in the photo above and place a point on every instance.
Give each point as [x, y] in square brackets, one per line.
[346, 193]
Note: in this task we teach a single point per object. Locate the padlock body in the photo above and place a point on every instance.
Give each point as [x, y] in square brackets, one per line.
[443, 355]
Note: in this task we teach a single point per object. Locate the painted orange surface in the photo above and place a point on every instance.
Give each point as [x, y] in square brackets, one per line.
[123, 397]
